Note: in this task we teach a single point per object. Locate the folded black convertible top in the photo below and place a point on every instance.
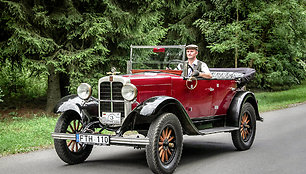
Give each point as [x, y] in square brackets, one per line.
[242, 75]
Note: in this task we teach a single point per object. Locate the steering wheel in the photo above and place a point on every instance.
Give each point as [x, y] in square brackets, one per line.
[173, 60]
[190, 80]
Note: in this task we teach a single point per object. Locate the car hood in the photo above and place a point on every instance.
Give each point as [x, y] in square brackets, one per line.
[152, 84]
[147, 79]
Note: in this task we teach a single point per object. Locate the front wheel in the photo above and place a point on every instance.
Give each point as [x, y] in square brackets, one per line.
[166, 144]
[244, 137]
[70, 151]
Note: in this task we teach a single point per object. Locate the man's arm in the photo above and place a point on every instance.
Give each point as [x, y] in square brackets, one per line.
[196, 73]
[205, 73]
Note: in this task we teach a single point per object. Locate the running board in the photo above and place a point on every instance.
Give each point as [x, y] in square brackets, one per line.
[217, 130]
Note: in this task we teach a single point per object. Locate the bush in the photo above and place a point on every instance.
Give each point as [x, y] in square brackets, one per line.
[18, 81]
[1, 95]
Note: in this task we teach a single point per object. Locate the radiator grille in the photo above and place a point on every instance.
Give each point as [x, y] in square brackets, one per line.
[111, 99]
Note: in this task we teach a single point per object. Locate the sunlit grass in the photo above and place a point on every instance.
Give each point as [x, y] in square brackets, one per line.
[20, 134]
[268, 101]
[25, 134]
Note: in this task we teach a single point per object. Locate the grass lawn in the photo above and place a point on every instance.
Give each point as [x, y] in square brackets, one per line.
[268, 101]
[20, 134]
[23, 134]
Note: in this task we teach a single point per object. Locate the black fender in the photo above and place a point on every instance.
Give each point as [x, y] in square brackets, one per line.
[146, 112]
[235, 107]
[74, 103]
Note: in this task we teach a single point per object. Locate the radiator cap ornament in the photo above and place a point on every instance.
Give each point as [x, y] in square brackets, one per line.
[113, 71]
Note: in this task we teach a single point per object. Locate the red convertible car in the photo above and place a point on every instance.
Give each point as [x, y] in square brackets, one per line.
[158, 103]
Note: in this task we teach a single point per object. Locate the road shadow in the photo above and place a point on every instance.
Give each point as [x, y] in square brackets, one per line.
[130, 158]
[116, 162]
[199, 149]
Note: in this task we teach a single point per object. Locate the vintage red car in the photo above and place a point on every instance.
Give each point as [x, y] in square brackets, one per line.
[161, 104]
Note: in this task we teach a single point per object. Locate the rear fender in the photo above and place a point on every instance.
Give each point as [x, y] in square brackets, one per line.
[235, 107]
[146, 112]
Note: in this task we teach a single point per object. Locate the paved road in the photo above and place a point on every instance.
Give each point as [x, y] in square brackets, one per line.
[279, 147]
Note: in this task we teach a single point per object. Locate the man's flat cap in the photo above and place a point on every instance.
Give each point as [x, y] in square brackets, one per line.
[192, 46]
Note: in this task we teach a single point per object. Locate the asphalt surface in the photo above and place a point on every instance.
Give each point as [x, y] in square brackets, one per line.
[279, 147]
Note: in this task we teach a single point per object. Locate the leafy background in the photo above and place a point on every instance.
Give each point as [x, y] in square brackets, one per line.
[48, 47]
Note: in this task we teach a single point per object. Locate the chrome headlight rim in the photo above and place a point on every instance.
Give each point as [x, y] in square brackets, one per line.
[84, 91]
[129, 92]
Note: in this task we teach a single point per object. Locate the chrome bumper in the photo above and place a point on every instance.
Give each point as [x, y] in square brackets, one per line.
[113, 139]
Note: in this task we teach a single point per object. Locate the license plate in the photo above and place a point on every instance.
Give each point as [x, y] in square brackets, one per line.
[111, 118]
[92, 139]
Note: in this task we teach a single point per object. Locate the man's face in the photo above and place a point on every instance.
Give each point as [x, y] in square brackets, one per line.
[191, 53]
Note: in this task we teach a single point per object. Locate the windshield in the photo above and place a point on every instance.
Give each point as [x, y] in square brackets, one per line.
[156, 57]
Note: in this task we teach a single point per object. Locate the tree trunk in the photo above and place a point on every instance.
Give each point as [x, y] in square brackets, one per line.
[53, 92]
[64, 81]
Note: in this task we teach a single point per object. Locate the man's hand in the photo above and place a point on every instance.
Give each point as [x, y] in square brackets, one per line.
[195, 73]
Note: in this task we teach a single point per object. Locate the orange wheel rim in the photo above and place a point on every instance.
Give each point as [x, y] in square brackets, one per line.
[74, 127]
[245, 127]
[166, 145]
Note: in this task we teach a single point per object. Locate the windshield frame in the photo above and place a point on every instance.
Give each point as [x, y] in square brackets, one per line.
[130, 62]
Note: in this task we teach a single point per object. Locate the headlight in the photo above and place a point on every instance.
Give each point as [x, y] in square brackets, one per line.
[129, 92]
[84, 91]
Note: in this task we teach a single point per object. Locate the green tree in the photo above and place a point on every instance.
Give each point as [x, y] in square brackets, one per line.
[76, 40]
[270, 37]
[72, 37]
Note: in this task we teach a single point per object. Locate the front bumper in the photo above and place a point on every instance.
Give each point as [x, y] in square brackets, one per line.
[114, 140]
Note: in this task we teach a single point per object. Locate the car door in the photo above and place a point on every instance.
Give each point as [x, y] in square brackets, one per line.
[224, 90]
[199, 99]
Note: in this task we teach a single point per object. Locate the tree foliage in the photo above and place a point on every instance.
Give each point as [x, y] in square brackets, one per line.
[1, 95]
[79, 40]
[19, 82]
[270, 37]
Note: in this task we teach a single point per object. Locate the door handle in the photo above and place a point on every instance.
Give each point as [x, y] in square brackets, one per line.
[211, 89]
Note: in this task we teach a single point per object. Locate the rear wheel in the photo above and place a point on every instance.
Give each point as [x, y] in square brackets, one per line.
[244, 137]
[70, 151]
[166, 143]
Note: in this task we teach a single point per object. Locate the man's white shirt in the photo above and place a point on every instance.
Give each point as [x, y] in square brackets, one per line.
[204, 67]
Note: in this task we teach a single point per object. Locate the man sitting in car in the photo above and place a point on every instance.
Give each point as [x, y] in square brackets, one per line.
[195, 66]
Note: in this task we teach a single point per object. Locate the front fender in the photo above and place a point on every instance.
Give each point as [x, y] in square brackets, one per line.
[146, 112]
[76, 104]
